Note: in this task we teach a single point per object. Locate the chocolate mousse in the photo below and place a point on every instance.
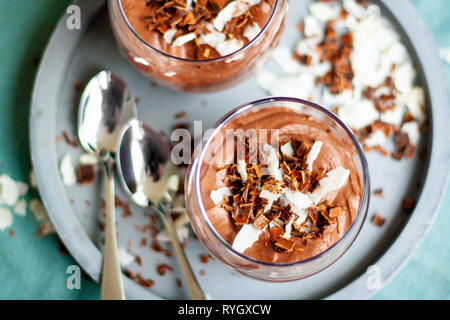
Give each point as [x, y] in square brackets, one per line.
[280, 204]
[198, 45]
[198, 29]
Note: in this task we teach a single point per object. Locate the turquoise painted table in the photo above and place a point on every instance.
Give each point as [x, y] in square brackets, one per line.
[34, 268]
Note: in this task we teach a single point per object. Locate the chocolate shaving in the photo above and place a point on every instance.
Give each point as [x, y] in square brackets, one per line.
[138, 260]
[335, 212]
[204, 258]
[245, 205]
[283, 244]
[162, 268]
[130, 274]
[304, 59]
[143, 243]
[336, 50]
[86, 174]
[180, 115]
[164, 15]
[147, 283]
[68, 140]
[261, 222]
[384, 97]
[404, 148]
[378, 220]
[378, 193]
[408, 204]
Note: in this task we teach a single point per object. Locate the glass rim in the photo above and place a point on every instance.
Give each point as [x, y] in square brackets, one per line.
[362, 210]
[250, 43]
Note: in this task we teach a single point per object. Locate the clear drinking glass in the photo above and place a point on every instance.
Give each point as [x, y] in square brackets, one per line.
[197, 75]
[220, 249]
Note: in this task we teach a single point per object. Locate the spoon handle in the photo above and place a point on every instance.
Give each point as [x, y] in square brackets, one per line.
[194, 288]
[112, 286]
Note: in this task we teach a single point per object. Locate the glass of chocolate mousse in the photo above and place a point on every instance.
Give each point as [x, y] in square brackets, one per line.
[278, 190]
[197, 45]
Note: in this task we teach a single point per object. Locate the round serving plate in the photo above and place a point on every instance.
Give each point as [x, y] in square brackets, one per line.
[73, 56]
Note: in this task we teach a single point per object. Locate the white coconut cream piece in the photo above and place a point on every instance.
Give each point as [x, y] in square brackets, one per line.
[169, 35]
[173, 182]
[6, 218]
[21, 208]
[308, 46]
[241, 167]
[246, 237]
[297, 200]
[9, 191]
[252, 31]
[394, 116]
[299, 86]
[358, 114]
[415, 102]
[345, 98]
[313, 153]
[302, 216]
[124, 257]
[218, 41]
[284, 59]
[229, 46]
[354, 9]
[180, 224]
[404, 76]
[265, 79]
[67, 170]
[325, 11]
[349, 22]
[189, 4]
[271, 198]
[287, 149]
[377, 138]
[288, 228]
[213, 38]
[218, 195]
[396, 54]
[334, 180]
[413, 131]
[313, 28]
[22, 188]
[38, 210]
[232, 10]
[182, 234]
[185, 38]
[273, 164]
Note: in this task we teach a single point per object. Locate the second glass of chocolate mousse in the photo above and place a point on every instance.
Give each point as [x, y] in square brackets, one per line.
[279, 190]
[197, 45]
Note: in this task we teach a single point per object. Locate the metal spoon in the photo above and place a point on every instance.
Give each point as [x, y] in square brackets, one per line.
[105, 106]
[144, 167]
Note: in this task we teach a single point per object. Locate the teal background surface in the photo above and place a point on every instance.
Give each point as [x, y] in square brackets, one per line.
[32, 267]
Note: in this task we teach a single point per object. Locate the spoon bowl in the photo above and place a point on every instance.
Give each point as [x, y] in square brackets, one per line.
[145, 172]
[105, 106]
[142, 161]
